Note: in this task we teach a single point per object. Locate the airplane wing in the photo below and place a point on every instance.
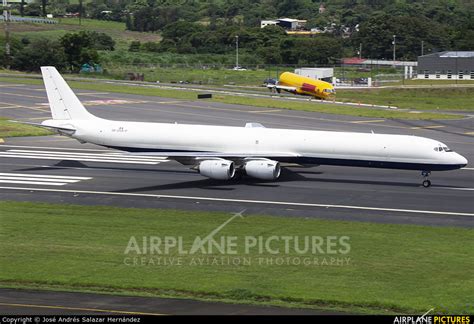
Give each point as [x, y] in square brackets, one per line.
[65, 130]
[281, 87]
[193, 157]
[203, 155]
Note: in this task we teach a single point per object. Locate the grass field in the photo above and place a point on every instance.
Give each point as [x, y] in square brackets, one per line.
[216, 76]
[53, 31]
[454, 99]
[391, 268]
[257, 102]
[9, 129]
[423, 82]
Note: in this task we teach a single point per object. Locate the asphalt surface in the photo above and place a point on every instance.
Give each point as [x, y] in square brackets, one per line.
[94, 175]
[37, 302]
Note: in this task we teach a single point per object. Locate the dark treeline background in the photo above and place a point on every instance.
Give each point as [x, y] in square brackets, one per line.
[211, 27]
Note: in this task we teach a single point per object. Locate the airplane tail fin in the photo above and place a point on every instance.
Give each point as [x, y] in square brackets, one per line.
[63, 102]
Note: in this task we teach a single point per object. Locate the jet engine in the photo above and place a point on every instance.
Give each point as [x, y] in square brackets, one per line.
[217, 169]
[263, 169]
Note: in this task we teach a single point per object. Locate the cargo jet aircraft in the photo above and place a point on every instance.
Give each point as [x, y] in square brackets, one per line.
[221, 152]
[302, 85]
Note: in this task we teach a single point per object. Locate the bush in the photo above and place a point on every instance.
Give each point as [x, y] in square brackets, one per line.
[102, 41]
[134, 46]
[151, 47]
[33, 9]
[40, 52]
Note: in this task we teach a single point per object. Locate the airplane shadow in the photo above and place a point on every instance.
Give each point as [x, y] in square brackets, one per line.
[223, 185]
[76, 164]
[288, 175]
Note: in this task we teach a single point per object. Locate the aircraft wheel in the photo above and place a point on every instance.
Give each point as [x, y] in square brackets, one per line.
[426, 183]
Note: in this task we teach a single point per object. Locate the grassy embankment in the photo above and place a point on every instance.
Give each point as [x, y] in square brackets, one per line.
[257, 102]
[392, 268]
[54, 31]
[9, 129]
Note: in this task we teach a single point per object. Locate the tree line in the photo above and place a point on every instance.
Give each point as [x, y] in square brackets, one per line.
[435, 25]
[67, 53]
[210, 26]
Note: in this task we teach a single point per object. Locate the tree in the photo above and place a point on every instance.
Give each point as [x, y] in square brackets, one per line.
[102, 41]
[33, 9]
[43, 7]
[377, 35]
[180, 29]
[40, 52]
[79, 49]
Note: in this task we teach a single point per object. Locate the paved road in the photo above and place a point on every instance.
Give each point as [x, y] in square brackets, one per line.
[60, 169]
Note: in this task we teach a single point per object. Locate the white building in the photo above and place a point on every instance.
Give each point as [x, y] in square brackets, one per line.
[324, 74]
[265, 23]
[287, 23]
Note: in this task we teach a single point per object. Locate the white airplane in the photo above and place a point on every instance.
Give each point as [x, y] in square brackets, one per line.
[221, 152]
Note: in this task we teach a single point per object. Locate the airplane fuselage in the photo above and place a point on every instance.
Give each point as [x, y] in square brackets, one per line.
[218, 152]
[296, 146]
[306, 86]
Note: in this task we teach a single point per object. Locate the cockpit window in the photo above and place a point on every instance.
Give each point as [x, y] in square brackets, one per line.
[328, 90]
[442, 148]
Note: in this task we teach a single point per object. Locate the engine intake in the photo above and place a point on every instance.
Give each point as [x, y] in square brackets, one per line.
[217, 169]
[263, 169]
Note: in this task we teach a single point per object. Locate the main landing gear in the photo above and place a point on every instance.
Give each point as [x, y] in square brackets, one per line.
[426, 183]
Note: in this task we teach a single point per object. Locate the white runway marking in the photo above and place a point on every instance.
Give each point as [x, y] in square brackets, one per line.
[39, 179]
[248, 201]
[85, 157]
[56, 148]
[466, 189]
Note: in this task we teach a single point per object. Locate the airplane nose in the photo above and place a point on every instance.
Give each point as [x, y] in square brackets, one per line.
[461, 160]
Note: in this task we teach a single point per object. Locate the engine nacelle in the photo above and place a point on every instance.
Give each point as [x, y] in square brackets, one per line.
[217, 169]
[263, 169]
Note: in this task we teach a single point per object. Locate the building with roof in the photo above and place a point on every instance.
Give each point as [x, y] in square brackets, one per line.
[286, 23]
[450, 65]
[265, 23]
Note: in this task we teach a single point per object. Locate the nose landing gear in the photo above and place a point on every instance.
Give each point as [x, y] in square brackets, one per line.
[426, 183]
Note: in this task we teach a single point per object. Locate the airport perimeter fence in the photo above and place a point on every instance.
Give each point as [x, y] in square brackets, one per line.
[248, 75]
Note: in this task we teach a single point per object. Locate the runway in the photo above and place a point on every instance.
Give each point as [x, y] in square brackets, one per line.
[59, 169]
[37, 302]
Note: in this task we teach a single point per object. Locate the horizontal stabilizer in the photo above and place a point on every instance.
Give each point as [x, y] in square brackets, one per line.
[66, 130]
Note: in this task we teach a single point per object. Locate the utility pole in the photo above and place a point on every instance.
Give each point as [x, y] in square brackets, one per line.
[80, 12]
[422, 48]
[237, 51]
[360, 51]
[394, 47]
[6, 19]
[43, 5]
